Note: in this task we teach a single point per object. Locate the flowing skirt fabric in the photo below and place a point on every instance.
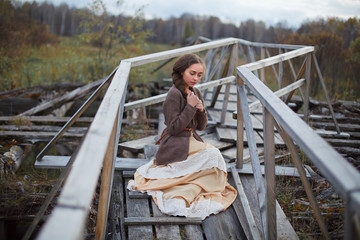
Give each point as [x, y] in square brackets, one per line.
[195, 187]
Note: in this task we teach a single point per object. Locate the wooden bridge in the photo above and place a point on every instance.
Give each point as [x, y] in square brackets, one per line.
[247, 122]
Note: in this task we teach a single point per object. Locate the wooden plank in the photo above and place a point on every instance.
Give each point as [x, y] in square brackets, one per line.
[36, 135]
[279, 170]
[49, 161]
[224, 225]
[193, 232]
[165, 232]
[42, 128]
[137, 208]
[230, 121]
[277, 138]
[332, 134]
[137, 145]
[211, 139]
[139, 220]
[232, 155]
[344, 142]
[230, 135]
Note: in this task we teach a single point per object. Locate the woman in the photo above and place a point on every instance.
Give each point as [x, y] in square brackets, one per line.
[187, 177]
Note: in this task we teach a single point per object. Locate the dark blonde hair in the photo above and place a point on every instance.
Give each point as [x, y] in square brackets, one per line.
[179, 68]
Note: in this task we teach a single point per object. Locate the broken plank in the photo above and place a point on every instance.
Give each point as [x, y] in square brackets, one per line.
[230, 135]
[212, 139]
[277, 139]
[75, 94]
[224, 225]
[137, 145]
[232, 155]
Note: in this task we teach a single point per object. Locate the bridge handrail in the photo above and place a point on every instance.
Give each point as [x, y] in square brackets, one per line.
[330, 163]
[337, 170]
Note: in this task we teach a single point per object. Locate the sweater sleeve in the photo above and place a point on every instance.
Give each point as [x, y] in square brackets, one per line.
[201, 117]
[177, 118]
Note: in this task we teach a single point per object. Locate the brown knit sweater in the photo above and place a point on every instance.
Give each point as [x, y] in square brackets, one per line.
[174, 146]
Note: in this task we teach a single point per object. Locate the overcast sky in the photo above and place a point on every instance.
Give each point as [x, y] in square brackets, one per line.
[294, 12]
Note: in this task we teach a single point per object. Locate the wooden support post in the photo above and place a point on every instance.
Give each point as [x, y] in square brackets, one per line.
[277, 75]
[240, 129]
[230, 71]
[262, 70]
[307, 86]
[216, 90]
[281, 71]
[269, 154]
[297, 77]
[297, 161]
[252, 58]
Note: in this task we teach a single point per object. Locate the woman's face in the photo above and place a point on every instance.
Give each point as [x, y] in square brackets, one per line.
[193, 74]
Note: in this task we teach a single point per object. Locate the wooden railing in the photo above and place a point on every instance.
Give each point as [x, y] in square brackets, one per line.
[295, 133]
[96, 155]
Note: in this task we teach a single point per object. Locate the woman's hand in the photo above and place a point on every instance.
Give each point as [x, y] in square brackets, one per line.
[200, 106]
[192, 99]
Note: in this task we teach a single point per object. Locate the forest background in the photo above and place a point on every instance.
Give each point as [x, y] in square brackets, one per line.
[42, 44]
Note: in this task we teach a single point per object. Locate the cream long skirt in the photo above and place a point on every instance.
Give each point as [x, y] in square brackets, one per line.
[195, 187]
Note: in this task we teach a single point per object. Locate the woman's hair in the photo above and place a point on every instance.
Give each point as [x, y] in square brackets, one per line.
[179, 68]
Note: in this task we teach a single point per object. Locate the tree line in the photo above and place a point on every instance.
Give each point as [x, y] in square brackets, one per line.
[337, 41]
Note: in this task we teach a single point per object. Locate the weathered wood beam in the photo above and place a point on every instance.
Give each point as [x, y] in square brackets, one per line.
[161, 220]
[154, 57]
[75, 94]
